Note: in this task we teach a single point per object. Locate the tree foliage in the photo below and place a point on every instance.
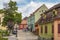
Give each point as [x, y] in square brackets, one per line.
[18, 18]
[11, 14]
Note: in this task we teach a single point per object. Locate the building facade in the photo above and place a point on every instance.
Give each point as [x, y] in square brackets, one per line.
[33, 18]
[57, 23]
[50, 24]
[31, 22]
[1, 20]
[23, 24]
[37, 15]
[39, 11]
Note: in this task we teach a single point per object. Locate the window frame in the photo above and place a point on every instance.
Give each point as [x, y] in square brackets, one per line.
[41, 29]
[46, 29]
[58, 28]
[52, 28]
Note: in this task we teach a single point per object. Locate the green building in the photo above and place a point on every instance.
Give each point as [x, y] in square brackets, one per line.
[39, 11]
[31, 22]
[34, 17]
[37, 15]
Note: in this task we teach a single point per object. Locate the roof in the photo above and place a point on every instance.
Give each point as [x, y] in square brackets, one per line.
[54, 7]
[25, 18]
[31, 15]
[39, 8]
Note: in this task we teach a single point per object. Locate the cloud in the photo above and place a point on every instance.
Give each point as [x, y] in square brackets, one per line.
[49, 1]
[32, 6]
[28, 9]
[29, 6]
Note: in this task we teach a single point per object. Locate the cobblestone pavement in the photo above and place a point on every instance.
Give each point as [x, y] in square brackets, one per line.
[26, 35]
[12, 37]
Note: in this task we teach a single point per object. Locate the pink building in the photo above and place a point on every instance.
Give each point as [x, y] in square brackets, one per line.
[57, 29]
[23, 23]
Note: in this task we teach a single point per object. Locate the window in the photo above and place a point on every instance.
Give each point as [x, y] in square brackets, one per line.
[52, 38]
[58, 28]
[52, 28]
[42, 10]
[53, 12]
[36, 25]
[45, 10]
[39, 11]
[45, 29]
[41, 29]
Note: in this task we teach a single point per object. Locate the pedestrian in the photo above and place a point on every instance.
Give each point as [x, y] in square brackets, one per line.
[15, 27]
[27, 29]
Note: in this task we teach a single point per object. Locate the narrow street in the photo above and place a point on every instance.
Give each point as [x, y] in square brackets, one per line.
[12, 37]
[26, 35]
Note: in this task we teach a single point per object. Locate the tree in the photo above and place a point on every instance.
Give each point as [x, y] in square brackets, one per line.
[1, 11]
[18, 17]
[10, 14]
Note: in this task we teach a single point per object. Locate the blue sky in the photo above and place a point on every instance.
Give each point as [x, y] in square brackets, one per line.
[29, 6]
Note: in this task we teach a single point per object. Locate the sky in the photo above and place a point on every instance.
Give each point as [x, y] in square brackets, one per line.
[27, 7]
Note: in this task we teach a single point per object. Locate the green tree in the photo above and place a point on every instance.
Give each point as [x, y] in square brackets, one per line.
[1, 11]
[18, 17]
[11, 14]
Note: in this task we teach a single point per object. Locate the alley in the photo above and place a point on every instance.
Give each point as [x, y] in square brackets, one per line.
[26, 35]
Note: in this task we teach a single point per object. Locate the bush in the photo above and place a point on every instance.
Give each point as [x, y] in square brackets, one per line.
[4, 32]
[7, 33]
[4, 38]
[0, 37]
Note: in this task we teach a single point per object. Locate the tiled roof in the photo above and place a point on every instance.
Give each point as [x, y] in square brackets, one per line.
[25, 18]
[55, 6]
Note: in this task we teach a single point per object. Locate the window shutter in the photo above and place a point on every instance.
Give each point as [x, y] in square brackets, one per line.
[41, 29]
[52, 28]
[58, 28]
[45, 29]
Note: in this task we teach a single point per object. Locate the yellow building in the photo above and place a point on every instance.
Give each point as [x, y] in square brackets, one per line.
[1, 19]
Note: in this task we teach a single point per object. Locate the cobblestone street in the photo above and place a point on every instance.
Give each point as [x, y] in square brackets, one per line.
[21, 35]
[12, 37]
[26, 35]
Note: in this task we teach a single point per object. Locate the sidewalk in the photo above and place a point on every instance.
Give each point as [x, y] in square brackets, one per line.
[11, 37]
